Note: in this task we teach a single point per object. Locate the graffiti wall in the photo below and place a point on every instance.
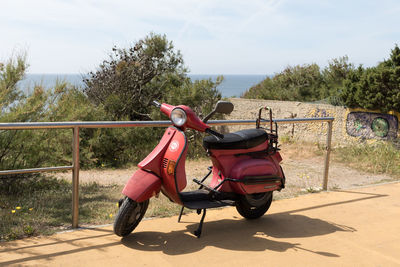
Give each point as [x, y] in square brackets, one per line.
[370, 125]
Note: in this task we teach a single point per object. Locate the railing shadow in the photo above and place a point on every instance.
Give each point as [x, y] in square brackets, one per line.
[371, 196]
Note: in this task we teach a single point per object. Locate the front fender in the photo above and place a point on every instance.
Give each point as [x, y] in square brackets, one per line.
[142, 186]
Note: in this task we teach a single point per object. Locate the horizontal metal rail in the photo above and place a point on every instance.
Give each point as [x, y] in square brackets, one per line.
[127, 124]
[34, 170]
[75, 126]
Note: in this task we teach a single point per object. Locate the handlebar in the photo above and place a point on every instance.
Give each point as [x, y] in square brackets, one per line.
[191, 120]
[156, 104]
[216, 134]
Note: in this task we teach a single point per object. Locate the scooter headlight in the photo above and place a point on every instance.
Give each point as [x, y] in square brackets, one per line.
[178, 117]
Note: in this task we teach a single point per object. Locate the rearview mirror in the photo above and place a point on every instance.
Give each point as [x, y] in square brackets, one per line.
[224, 107]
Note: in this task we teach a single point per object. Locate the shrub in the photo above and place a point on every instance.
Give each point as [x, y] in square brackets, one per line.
[298, 83]
[377, 87]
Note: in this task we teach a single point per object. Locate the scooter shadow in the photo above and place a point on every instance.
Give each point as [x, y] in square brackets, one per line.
[238, 235]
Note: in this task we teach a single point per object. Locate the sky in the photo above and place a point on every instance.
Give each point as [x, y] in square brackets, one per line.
[214, 36]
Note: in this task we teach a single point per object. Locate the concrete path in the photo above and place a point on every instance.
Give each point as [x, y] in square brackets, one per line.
[358, 227]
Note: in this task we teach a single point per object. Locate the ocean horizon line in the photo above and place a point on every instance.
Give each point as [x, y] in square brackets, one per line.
[233, 85]
[230, 74]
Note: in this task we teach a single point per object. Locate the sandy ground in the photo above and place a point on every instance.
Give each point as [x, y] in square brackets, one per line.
[358, 227]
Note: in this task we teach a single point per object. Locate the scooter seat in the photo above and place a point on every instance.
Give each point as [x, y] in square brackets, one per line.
[243, 139]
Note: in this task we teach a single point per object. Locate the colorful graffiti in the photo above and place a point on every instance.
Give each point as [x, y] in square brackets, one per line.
[372, 125]
[319, 113]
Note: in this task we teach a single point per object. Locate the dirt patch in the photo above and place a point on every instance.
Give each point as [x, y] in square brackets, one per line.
[194, 169]
[303, 171]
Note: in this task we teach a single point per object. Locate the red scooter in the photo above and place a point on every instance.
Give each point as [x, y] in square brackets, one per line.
[245, 169]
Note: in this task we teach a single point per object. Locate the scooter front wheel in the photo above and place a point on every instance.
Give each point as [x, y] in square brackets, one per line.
[129, 215]
[253, 206]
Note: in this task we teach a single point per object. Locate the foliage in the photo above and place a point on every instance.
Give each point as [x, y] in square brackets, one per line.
[10, 73]
[376, 87]
[27, 148]
[340, 83]
[334, 75]
[17, 107]
[132, 78]
[303, 83]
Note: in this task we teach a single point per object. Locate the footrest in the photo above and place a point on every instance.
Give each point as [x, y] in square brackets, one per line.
[208, 204]
[196, 195]
[201, 199]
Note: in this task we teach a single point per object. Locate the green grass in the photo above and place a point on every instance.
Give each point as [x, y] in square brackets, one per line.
[42, 205]
[39, 205]
[379, 157]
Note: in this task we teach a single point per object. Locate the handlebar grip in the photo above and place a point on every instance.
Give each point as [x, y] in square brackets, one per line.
[156, 104]
[212, 132]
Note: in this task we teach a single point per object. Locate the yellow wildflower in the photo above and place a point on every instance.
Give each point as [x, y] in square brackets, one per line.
[13, 211]
[30, 209]
[18, 208]
[110, 215]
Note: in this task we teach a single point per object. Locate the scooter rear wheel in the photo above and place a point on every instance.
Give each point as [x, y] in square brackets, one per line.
[129, 215]
[253, 206]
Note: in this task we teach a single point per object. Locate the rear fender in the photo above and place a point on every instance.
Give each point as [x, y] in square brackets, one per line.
[142, 186]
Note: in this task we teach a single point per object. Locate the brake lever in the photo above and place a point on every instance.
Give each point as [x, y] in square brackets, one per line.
[156, 104]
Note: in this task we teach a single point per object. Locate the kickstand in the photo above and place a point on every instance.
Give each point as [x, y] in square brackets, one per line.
[198, 231]
[180, 214]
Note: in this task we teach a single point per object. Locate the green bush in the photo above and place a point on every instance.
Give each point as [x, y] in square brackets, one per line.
[304, 83]
[376, 87]
[36, 148]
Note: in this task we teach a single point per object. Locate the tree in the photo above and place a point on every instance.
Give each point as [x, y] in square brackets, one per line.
[10, 74]
[132, 78]
[376, 87]
[334, 75]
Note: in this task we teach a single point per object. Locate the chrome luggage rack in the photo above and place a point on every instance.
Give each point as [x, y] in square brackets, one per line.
[272, 130]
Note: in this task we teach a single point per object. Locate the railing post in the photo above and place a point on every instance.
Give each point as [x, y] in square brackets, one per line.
[75, 177]
[328, 153]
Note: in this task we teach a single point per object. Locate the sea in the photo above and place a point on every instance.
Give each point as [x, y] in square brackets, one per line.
[231, 86]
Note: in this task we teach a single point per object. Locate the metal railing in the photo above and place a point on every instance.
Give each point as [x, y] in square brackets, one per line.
[75, 126]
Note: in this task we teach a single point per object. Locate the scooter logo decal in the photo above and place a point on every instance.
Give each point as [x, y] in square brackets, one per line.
[174, 146]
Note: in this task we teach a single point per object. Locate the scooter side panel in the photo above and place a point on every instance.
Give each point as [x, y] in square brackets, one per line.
[153, 161]
[258, 175]
[142, 186]
[226, 160]
[173, 170]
